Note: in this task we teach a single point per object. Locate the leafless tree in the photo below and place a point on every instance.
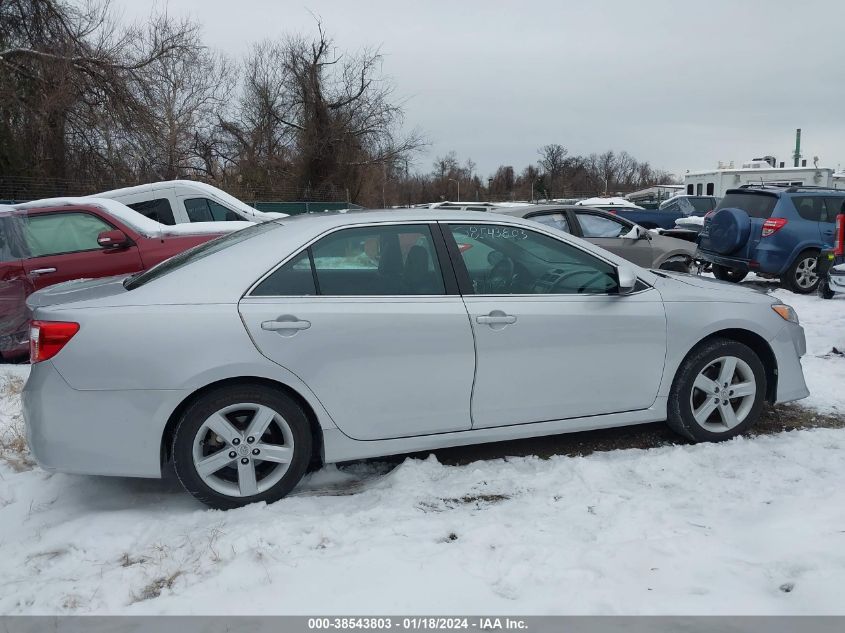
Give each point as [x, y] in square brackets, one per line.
[182, 95]
[70, 78]
[324, 118]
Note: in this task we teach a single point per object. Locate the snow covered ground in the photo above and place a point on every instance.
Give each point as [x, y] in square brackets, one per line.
[752, 526]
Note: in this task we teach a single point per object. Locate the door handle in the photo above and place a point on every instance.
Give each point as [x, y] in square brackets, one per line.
[499, 319]
[42, 271]
[275, 326]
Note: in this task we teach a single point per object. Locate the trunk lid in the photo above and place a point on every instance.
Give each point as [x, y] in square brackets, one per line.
[76, 291]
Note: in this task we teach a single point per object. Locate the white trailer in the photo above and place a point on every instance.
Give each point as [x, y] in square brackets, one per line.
[717, 181]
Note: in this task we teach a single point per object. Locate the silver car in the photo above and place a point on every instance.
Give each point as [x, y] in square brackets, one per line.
[337, 337]
[618, 235]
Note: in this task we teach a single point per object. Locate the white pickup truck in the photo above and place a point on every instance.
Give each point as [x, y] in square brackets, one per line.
[181, 201]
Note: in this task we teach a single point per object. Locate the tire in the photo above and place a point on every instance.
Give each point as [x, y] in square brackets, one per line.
[287, 437]
[824, 290]
[728, 230]
[801, 276]
[728, 274]
[692, 413]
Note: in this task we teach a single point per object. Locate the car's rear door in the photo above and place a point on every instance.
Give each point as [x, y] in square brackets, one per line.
[370, 318]
[63, 246]
[607, 232]
[553, 339]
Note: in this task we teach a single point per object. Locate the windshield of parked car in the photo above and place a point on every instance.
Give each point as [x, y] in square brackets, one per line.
[756, 205]
[701, 205]
[198, 252]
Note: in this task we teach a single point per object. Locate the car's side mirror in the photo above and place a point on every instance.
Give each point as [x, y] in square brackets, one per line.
[113, 240]
[636, 233]
[627, 279]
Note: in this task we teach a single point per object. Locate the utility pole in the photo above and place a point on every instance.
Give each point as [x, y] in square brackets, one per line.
[797, 155]
[457, 182]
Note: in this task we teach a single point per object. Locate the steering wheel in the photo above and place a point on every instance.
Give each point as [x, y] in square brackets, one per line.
[594, 276]
[500, 278]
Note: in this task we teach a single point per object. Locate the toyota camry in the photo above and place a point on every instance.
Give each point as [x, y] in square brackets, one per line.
[333, 337]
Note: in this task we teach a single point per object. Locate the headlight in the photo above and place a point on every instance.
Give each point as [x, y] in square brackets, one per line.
[787, 313]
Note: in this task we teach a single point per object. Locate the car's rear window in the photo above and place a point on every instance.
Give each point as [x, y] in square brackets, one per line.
[756, 205]
[198, 252]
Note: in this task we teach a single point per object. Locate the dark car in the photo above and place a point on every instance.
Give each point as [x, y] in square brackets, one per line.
[776, 232]
[47, 245]
[618, 235]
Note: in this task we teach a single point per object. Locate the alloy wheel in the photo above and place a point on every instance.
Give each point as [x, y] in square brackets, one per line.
[805, 273]
[243, 449]
[723, 394]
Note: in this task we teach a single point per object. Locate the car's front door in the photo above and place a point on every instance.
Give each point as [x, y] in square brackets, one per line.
[63, 245]
[607, 233]
[367, 319]
[553, 338]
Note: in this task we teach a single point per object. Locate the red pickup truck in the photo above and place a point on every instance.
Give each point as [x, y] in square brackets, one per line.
[45, 245]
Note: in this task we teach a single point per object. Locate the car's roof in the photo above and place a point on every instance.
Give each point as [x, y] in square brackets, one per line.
[358, 216]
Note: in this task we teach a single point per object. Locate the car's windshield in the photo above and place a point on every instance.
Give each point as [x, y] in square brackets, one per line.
[701, 205]
[757, 205]
[198, 252]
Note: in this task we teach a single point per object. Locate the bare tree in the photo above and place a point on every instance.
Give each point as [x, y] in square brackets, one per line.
[183, 95]
[70, 80]
[334, 112]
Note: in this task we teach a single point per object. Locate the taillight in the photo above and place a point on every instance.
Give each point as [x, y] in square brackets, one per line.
[772, 226]
[612, 211]
[47, 338]
[464, 247]
[839, 244]
[709, 213]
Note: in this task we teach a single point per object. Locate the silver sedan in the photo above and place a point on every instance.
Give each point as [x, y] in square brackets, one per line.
[335, 337]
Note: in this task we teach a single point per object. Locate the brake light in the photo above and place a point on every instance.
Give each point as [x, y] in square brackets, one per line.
[612, 211]
[839, 243]
[772, 226]
[47, 338]
[464, 247]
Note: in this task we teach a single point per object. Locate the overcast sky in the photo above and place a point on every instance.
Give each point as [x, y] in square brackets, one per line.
[680, 84]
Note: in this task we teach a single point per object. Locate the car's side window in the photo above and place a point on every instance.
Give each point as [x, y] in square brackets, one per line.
[809, 207]
[833, 207]
[503, 259]
[555, 220]
[58, 233]
[158, 210]
[205, 210]
[364, 261]
[294, 279]
[599, 226]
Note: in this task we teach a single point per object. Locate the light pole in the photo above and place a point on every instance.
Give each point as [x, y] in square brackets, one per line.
[459, 188]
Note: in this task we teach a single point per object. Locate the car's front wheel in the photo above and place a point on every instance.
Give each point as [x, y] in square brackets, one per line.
[728, 274]
[718, 391]
[240, 444]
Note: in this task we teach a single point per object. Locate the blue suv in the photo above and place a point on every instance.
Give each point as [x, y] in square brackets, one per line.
[775, 232]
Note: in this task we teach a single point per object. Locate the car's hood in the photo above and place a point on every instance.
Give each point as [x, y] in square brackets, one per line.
[76, 290]
[686, 287]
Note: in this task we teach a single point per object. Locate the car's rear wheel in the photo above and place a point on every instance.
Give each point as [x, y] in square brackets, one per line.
[728, 274]
[802, 277]
[241, 444]
[718, 391]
